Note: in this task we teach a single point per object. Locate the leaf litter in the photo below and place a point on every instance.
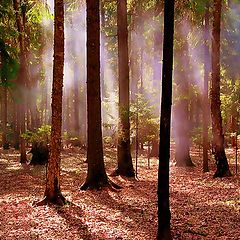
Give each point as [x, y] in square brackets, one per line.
[201, 207]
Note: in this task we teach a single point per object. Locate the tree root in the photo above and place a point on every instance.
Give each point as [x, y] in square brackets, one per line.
[99, 185]
[59, 200]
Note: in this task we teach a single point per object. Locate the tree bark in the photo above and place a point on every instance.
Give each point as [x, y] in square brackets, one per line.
[181, 109]
[205, 90]
[5, 143]
[76, 101]
[21, 81]
[164, 214]
[218, 137]
[53, 191]
[96, 173]
[125, 165]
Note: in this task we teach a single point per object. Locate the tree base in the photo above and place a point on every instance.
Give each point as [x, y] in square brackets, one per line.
[222, 173]
[185, 164]
[23, 159]
[40, 154]
[59, 200]
[164, 235]
[99, 185]
[118, 172]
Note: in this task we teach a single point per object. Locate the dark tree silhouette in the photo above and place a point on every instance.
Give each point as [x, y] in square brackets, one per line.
[125, 165]
[218, 137]
[164, 214]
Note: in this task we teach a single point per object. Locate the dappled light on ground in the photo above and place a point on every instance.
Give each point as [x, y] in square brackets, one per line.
[202, 207]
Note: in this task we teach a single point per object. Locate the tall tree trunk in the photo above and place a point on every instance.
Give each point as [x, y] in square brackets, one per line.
[96, 173]
[164, 214]
[102, 53]
[205, 89]
[181, 111]
[157, 52]
[218, 138]
[125, 165]
[52, 191]
[21, 81]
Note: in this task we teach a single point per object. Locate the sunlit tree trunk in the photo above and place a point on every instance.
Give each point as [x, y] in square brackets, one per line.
[218, 137]
[52, 191]
[125, 165]
[164, 214]
[205, 90]
[96, 174]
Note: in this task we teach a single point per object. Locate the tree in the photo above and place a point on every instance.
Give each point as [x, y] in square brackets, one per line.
[4, 94]
[205, 89]
[96, 173]
[218, 137]
[22, 79]
[53, 192]
[125, 165]
[164, 214]
[181, 108]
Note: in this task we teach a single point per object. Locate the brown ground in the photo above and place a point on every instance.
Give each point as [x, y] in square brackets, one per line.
[202, 207]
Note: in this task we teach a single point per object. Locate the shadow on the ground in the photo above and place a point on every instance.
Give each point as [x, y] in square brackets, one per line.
[74, 216]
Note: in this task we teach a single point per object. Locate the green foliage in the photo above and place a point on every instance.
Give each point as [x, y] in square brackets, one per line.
[142, 117]
[230, 99]
[41, 134]
[10, 66]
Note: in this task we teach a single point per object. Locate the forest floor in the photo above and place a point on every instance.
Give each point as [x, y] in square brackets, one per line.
[202, 207]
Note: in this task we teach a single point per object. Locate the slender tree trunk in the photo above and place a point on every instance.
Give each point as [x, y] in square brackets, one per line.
[125, 165]
[218, 137]
[21, 81]
[205, 90]
[134, 65]
[5, 143]
[157, 53]
[16, 127]
[96, 174]
[52, 191]
[76, 101]
[164, 214]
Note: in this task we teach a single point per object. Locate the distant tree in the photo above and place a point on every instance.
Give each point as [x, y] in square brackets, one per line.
[22, 79]
[164, 214]
[5, 143]
[205, 89]
[218, 137]
[125, 165]
[53, 192]
[96, 173]
[181, 112]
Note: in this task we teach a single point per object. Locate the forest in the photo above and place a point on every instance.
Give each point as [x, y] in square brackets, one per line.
[119, 120]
